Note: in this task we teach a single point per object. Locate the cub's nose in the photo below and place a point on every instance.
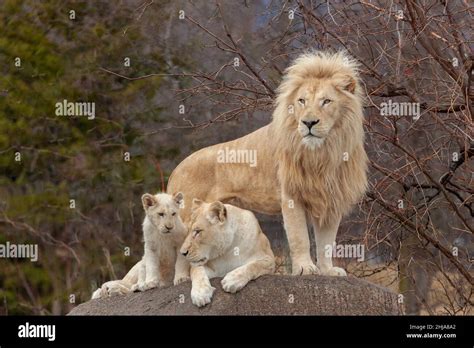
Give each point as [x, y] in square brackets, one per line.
[310, 124]
[169, 228]
[184, 252]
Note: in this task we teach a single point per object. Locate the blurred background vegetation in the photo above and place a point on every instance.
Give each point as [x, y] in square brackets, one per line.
[64, 158]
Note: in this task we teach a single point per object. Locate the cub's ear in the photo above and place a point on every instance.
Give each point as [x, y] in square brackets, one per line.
[196, 204]
[217, 213]
[178, 199]
[148, 201]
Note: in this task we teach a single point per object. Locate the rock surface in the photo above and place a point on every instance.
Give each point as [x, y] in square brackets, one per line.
[268, 295]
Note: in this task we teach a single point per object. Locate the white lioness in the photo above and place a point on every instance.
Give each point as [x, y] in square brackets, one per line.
[224, 241]
[311, 159]
[163, 233]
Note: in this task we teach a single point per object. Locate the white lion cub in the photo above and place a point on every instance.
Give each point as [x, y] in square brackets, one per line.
[163, 234]
[224, 241]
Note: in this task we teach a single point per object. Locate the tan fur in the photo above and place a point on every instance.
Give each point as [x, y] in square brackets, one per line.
[304, 178]
[224, 241]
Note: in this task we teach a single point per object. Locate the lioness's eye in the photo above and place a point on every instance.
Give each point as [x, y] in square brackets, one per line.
[161, 214]
[173, 214]
[326, 101]
[301, 101]
[196, 232]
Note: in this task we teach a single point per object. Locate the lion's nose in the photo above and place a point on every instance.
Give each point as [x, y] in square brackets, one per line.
[184, 253]
[168, 227]
[310, 124]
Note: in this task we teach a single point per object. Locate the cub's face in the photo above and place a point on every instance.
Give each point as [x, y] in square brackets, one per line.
[206, 238]
[317, 107]
[163, 210]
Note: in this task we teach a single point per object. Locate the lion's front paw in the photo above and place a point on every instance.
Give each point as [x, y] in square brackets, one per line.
[334, 271]
[181, 279]
[304, 267]
[233, 282]
[202, 295]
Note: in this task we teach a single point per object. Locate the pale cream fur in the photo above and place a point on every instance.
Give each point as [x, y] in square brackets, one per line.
[224, 241]
[305, 178]
[163, 234]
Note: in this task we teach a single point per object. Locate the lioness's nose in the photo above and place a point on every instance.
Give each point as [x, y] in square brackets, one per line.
[310, 124]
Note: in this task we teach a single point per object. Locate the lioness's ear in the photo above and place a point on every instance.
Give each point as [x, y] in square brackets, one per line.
[178, 199]
[217, 213]
[196, 204]
[148, 201]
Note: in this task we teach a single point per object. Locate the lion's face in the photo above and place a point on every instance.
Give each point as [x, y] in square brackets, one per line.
[317, 109]
[207, 236]
[163, 210]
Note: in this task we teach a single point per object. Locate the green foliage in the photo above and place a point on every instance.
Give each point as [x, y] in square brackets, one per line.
[65, 158]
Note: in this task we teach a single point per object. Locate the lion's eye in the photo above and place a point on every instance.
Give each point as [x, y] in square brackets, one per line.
[301, 101]
[161, 214]
[173, 214]
[196, 232]
[326, 101]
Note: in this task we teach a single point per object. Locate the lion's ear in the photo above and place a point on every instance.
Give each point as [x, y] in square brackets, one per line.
[347, 83]
[178, 198]
[196, 204]
[217, 213]
[148, 201]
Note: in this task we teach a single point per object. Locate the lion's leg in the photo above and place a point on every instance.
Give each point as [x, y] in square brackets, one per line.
[296, 229]
[201, 289]
[239, 277]
[325, 238]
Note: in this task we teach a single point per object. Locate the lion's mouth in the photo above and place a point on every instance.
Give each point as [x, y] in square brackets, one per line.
[311, 135]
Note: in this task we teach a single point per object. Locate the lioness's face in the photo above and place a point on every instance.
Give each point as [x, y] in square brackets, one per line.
[163, 210]
[206, 236]
[317, 108]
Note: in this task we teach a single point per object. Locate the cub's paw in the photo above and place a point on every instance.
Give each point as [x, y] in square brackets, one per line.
[137, 287]
[304, 267]
[233, 282]
[334, 271]
[115, 289]
[181, 279]
[202, 295]
[151, 284]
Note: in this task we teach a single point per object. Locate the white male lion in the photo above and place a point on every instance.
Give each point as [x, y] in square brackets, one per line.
[163, 234]
[311, 163]
[224, 241]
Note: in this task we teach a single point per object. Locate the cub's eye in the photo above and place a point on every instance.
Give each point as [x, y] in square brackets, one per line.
[196, 232]
[173, 214]
[301, 101]
[326, 101]
[161, 214]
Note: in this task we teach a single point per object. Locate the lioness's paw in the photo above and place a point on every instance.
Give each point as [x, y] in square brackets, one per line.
[181, 279]
[233, 282]
[302, 268]
[334, 271]
[202, 295]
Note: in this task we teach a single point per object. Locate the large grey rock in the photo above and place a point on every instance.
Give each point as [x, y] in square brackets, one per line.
[268, 295]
